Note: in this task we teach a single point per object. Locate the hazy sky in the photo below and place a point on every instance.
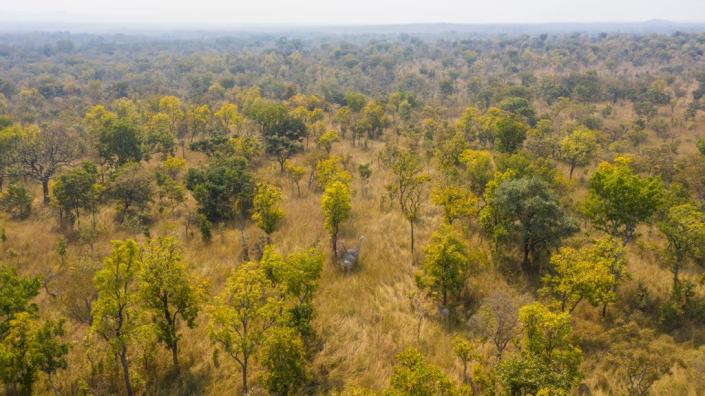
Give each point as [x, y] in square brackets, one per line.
[350, 11]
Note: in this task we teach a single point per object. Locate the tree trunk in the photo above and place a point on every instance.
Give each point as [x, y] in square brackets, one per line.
[413, 257]
[175, 355]
[45, 190]
[245, 247]
[572, 168]
[334, 243]
[525, 260]
[244, 376]
[2, 179]
[125, 371]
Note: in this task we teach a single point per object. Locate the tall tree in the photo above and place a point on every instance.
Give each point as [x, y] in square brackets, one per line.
[243, 313]
[43, 152]
[527, 208]
[267, 212]
[590, 273]
[446, 265]
[578, 148]
[115, 312]
[684, 228]
[548, 362]
[168, 291]
[336, 205]
[619, 200]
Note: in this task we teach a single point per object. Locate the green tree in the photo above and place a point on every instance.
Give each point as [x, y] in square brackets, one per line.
[115, 311]
[168, 291]
[590, 273]
[446, 265]
[224, 189]
[465, 351]
[28, 347]
[295, 174]
[619, 200]
[78, 189]
[131, 188]
[528, 209]
[456, 202]
[17, 201]
[267, 213]
[283, 357]
[8, 150]
[120, 141]
[578, 148]
[479, 169]
[243, 313]
[548, 362]
[16, 293]
[336, 205]
[509, 133]
[283, 133]
[684, 228]
[413, 376]
[298, 276]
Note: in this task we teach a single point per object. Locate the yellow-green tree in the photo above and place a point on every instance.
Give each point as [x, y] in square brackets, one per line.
[619, 199]
[267, 213]
[446, 265]
[115, 311]
[548, 362]
[295, 173]
[684, 228]
[248, 307]
[590, 273]
[336, 205]
[168, 291]
[578, 148]
[284, 359]
[229, 119]
[456, 202]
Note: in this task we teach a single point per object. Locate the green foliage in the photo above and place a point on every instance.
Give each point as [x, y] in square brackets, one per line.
[446, 265]
[591, 273]
[413, 376]
[282, 132]
[684, 228]
[242, 314]
[168, 291]
[16, 292]
[78, 189]
[456, 202]
[336, 205]
[619, 200]
[528, 209]
[115, 312]
[17, 201]
[298, 276]
[578, 148]
[224, 189]
[28, 347]
[509, 134]
[548, 362]
[267, 212]
[132, 190]
[282, 355]
[120, 141]
[479, 169]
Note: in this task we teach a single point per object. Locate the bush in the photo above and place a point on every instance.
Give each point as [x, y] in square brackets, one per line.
[17, 201]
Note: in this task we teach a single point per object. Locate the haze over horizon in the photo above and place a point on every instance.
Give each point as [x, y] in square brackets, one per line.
[362, 12]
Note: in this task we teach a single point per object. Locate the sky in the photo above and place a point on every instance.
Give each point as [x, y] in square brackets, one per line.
[349, 12]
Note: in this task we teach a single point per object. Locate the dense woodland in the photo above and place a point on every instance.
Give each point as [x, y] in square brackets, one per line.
[366, 214]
